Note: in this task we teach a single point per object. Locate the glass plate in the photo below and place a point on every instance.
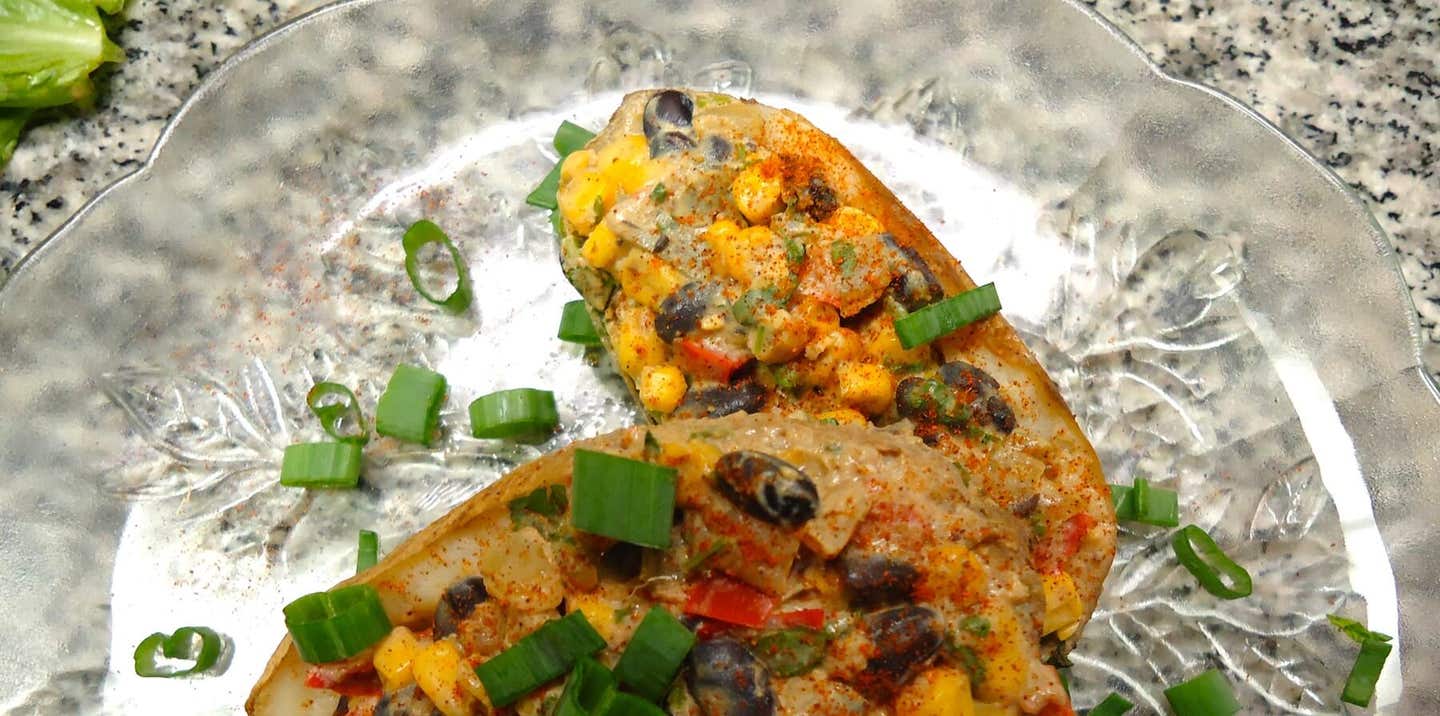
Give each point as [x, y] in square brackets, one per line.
[1221, 312]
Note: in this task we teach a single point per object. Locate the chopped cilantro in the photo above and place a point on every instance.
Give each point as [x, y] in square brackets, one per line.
[843, 254]
[794, 250]
[977, 625]
[659, 193]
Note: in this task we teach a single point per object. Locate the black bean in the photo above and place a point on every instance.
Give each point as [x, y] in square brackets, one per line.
[926, 401]
[670, 142]
[457, 604]
[680, 312]
[342, 707]
[903, 639]
[725, 679]
[981, 393]
[671, 108]
[876, 580]
[747, 396]
[718, 149]
[408, 701]
[914, 285]
[819, 201]
[767, 487]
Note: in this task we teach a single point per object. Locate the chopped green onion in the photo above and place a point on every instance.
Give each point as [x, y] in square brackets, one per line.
[526, 414]
[1113, 705]
[543, 196]
[368, 551]
[545, 654]
[334, 416]
[585, 688]
[1208, 694]
[557, 223]
[1360, 686]
[321, 465]
[1162, 507]
[619, 703]
[791, 652]
[628, 500]
[699, 559]
[200, 645]
[410, 406]
[794, 251]
[576, 326]
[944, 317]
[659, 193]
[1198, 552]
[421, 234]
[570, 137]
[547, 501]
[1355, 630]
[654, 654]
[977, 625]
[338, 624]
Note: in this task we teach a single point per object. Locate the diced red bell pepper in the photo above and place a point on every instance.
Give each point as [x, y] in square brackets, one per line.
[729, 601]
[1063, 543]
[702, 361]
[808, 618]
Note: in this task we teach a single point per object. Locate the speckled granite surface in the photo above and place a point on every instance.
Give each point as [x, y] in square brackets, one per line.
[1354, 81]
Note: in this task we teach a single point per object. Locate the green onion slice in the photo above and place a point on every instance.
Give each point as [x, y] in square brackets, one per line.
[619, 703]
[576, 326]
[338, 624]
[629, 500]
[410, 406]
[1208, 694]
[570, 137]
[1113, 705]
[1355, 630]
[791, 652]
[654, 654]
[335, 416]
[321, 465]
[1198, 552]
[585, 688]
[421, 234]
[545, 654]
[1162, 506]
[543, 196]
[368, 551]
[944, 317]
[197, 644]
[1360, 686]
[524, 413]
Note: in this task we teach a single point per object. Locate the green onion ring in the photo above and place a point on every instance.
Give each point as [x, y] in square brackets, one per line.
[367, 553]
[421, 234]
[180, 645]
[1198, 553]
[331, 414]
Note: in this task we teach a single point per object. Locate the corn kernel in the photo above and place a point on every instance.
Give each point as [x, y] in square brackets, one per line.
[602, 248]
[854, 222]
[647, 278]
[1062, 602]
[437, 673]
[394, 656]
[597, 611]
[577, 162]
[625, 163]
[584, 200]
[636, 343]
[941, 691]
[866, 387]
[882, 344]
[984, 709]
[662, 387]
[952, 570]
[1006, 668]
[756, 192]
[843, 416]
[778, 336]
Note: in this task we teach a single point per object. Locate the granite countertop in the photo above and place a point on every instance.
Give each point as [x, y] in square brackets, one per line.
[1354, 81]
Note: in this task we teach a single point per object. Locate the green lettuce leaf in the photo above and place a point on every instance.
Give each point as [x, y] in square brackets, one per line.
[48, 48]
